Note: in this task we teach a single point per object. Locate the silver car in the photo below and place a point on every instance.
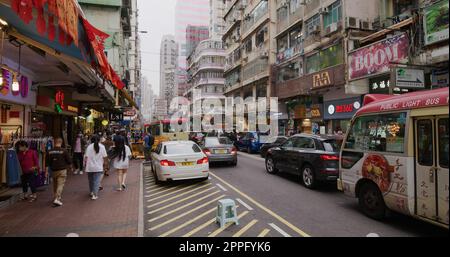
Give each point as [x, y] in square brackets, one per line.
[220, 149]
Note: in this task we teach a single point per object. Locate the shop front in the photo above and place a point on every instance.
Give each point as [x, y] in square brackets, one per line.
[55, 114]
[338, 114]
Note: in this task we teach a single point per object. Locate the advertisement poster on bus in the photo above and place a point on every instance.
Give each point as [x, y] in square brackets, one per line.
[377, 58]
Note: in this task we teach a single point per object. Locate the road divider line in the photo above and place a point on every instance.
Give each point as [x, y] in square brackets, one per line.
[187, 223]
[150, 187]
[175, 196]
[180, 201]
[273, 214]
[282, 232]
[221, 187]
[264, 233]
[167, 193]
[244, 229]
[217, 231]
[197, 229]
[186, 213]
[184, 206]
[244, 204]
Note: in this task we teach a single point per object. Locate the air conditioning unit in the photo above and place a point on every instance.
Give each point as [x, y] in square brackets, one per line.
[332, 28]
[324, 10]
[352, 23]
[315, 29]
[366, 25]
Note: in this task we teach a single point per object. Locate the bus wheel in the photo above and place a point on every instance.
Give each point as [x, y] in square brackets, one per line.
[371, 201]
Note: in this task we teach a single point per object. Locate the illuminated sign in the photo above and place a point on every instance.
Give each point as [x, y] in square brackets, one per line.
[59, 100]
[342, 109]
[72, 109]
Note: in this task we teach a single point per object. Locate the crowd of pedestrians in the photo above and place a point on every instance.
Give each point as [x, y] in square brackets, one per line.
[94, 156]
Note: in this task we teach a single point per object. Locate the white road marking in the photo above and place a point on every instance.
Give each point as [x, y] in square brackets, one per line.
[221, 187]
[279, 230]
[373, 235]
[244, 204]
[141, 204]
[73, 235]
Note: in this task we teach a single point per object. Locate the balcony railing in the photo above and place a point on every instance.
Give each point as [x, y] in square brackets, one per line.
[255, 16]
[254, 68]
[289, 53]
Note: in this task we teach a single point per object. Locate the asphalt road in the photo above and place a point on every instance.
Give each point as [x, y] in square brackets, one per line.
[267, 206]
[322, 212]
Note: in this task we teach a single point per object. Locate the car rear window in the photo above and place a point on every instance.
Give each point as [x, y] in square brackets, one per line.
[211, 142]
[331, 145]
[181, 149]
[225, 141]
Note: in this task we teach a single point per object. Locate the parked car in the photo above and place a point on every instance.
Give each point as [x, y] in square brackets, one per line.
[273, 142]
[220, 149]
[179, 160]
[251, 142]
[313, 158]
[196, 137]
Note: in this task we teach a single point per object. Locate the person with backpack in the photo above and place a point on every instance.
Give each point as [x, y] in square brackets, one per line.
[96, 162]
[59, 161]
[149, 140]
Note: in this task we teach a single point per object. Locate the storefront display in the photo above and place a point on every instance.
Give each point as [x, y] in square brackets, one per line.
[340, 112]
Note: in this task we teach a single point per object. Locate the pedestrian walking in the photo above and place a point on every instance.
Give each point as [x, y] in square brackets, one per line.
[121, 161]
[78, 153]
[149, 140]
[60, 163]
[29, 163]
[95, 162]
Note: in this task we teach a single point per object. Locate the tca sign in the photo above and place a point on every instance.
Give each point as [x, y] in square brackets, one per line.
[321, 79]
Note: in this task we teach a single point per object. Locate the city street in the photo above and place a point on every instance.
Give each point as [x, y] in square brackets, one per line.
[269, 205]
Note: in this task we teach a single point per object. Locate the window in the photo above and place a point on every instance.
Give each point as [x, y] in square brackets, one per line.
[304, 143]
[334, 14]
[311, 23]
[425, 142]
[282, 14]
[294, 5]
[313, 63]
[282, 44]
[289, 72]
[443, 142]
[259, 38]
[379, 133]
[289, 143]
[248, 45]
[331, 146]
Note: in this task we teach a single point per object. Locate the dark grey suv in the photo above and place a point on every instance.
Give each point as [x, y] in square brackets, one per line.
[313, 158]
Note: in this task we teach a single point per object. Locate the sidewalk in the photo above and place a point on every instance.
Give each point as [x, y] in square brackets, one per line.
[114, 214]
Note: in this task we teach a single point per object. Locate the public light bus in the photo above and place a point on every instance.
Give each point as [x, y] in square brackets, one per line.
[163, 131]
[395, 156]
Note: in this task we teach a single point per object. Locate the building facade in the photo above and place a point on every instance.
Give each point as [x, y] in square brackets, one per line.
[168, 87]
[195, 35]
[216, 21]
[147, 104]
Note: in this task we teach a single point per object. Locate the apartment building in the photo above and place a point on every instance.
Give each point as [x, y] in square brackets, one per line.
[216, 21]
[195, 35]
[168, 87]
[330, 53]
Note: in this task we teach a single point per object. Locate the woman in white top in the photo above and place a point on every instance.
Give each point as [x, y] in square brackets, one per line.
[95, 163]
[121, 160]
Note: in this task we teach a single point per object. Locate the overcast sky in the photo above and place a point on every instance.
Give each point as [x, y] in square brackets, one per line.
[158, 18]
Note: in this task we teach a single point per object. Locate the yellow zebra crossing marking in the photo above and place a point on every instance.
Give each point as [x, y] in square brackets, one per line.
[217, 231]
[182, 207]
[186, 213]
[244, 229]
[187, 223]
[264, 233]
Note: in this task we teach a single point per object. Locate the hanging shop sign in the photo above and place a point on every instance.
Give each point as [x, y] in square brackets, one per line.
[322, 79]
[117, 117]
[59, 101]
[409, 78]
[316, 111]
[435, 21]
[342, 109]
[129, 113]
[376, 58]
[379, 85]
[71, 108]
[439, 78]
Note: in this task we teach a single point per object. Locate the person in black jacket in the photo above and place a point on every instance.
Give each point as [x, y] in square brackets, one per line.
[59, 161]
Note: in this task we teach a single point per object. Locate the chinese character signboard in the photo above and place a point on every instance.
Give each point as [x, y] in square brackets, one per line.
[435, 21]
[322, 79]
[376, 58]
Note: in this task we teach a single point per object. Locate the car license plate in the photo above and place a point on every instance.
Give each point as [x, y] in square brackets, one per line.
[221, 151]
[187, 164]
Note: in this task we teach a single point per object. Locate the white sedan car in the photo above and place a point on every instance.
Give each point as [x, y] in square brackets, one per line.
[179, 160]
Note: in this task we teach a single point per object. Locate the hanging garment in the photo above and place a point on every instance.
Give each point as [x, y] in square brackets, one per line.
[3, 167]
[13, 167]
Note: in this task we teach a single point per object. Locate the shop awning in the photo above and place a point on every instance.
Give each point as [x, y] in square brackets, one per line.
[60, 25]
[383, 32]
